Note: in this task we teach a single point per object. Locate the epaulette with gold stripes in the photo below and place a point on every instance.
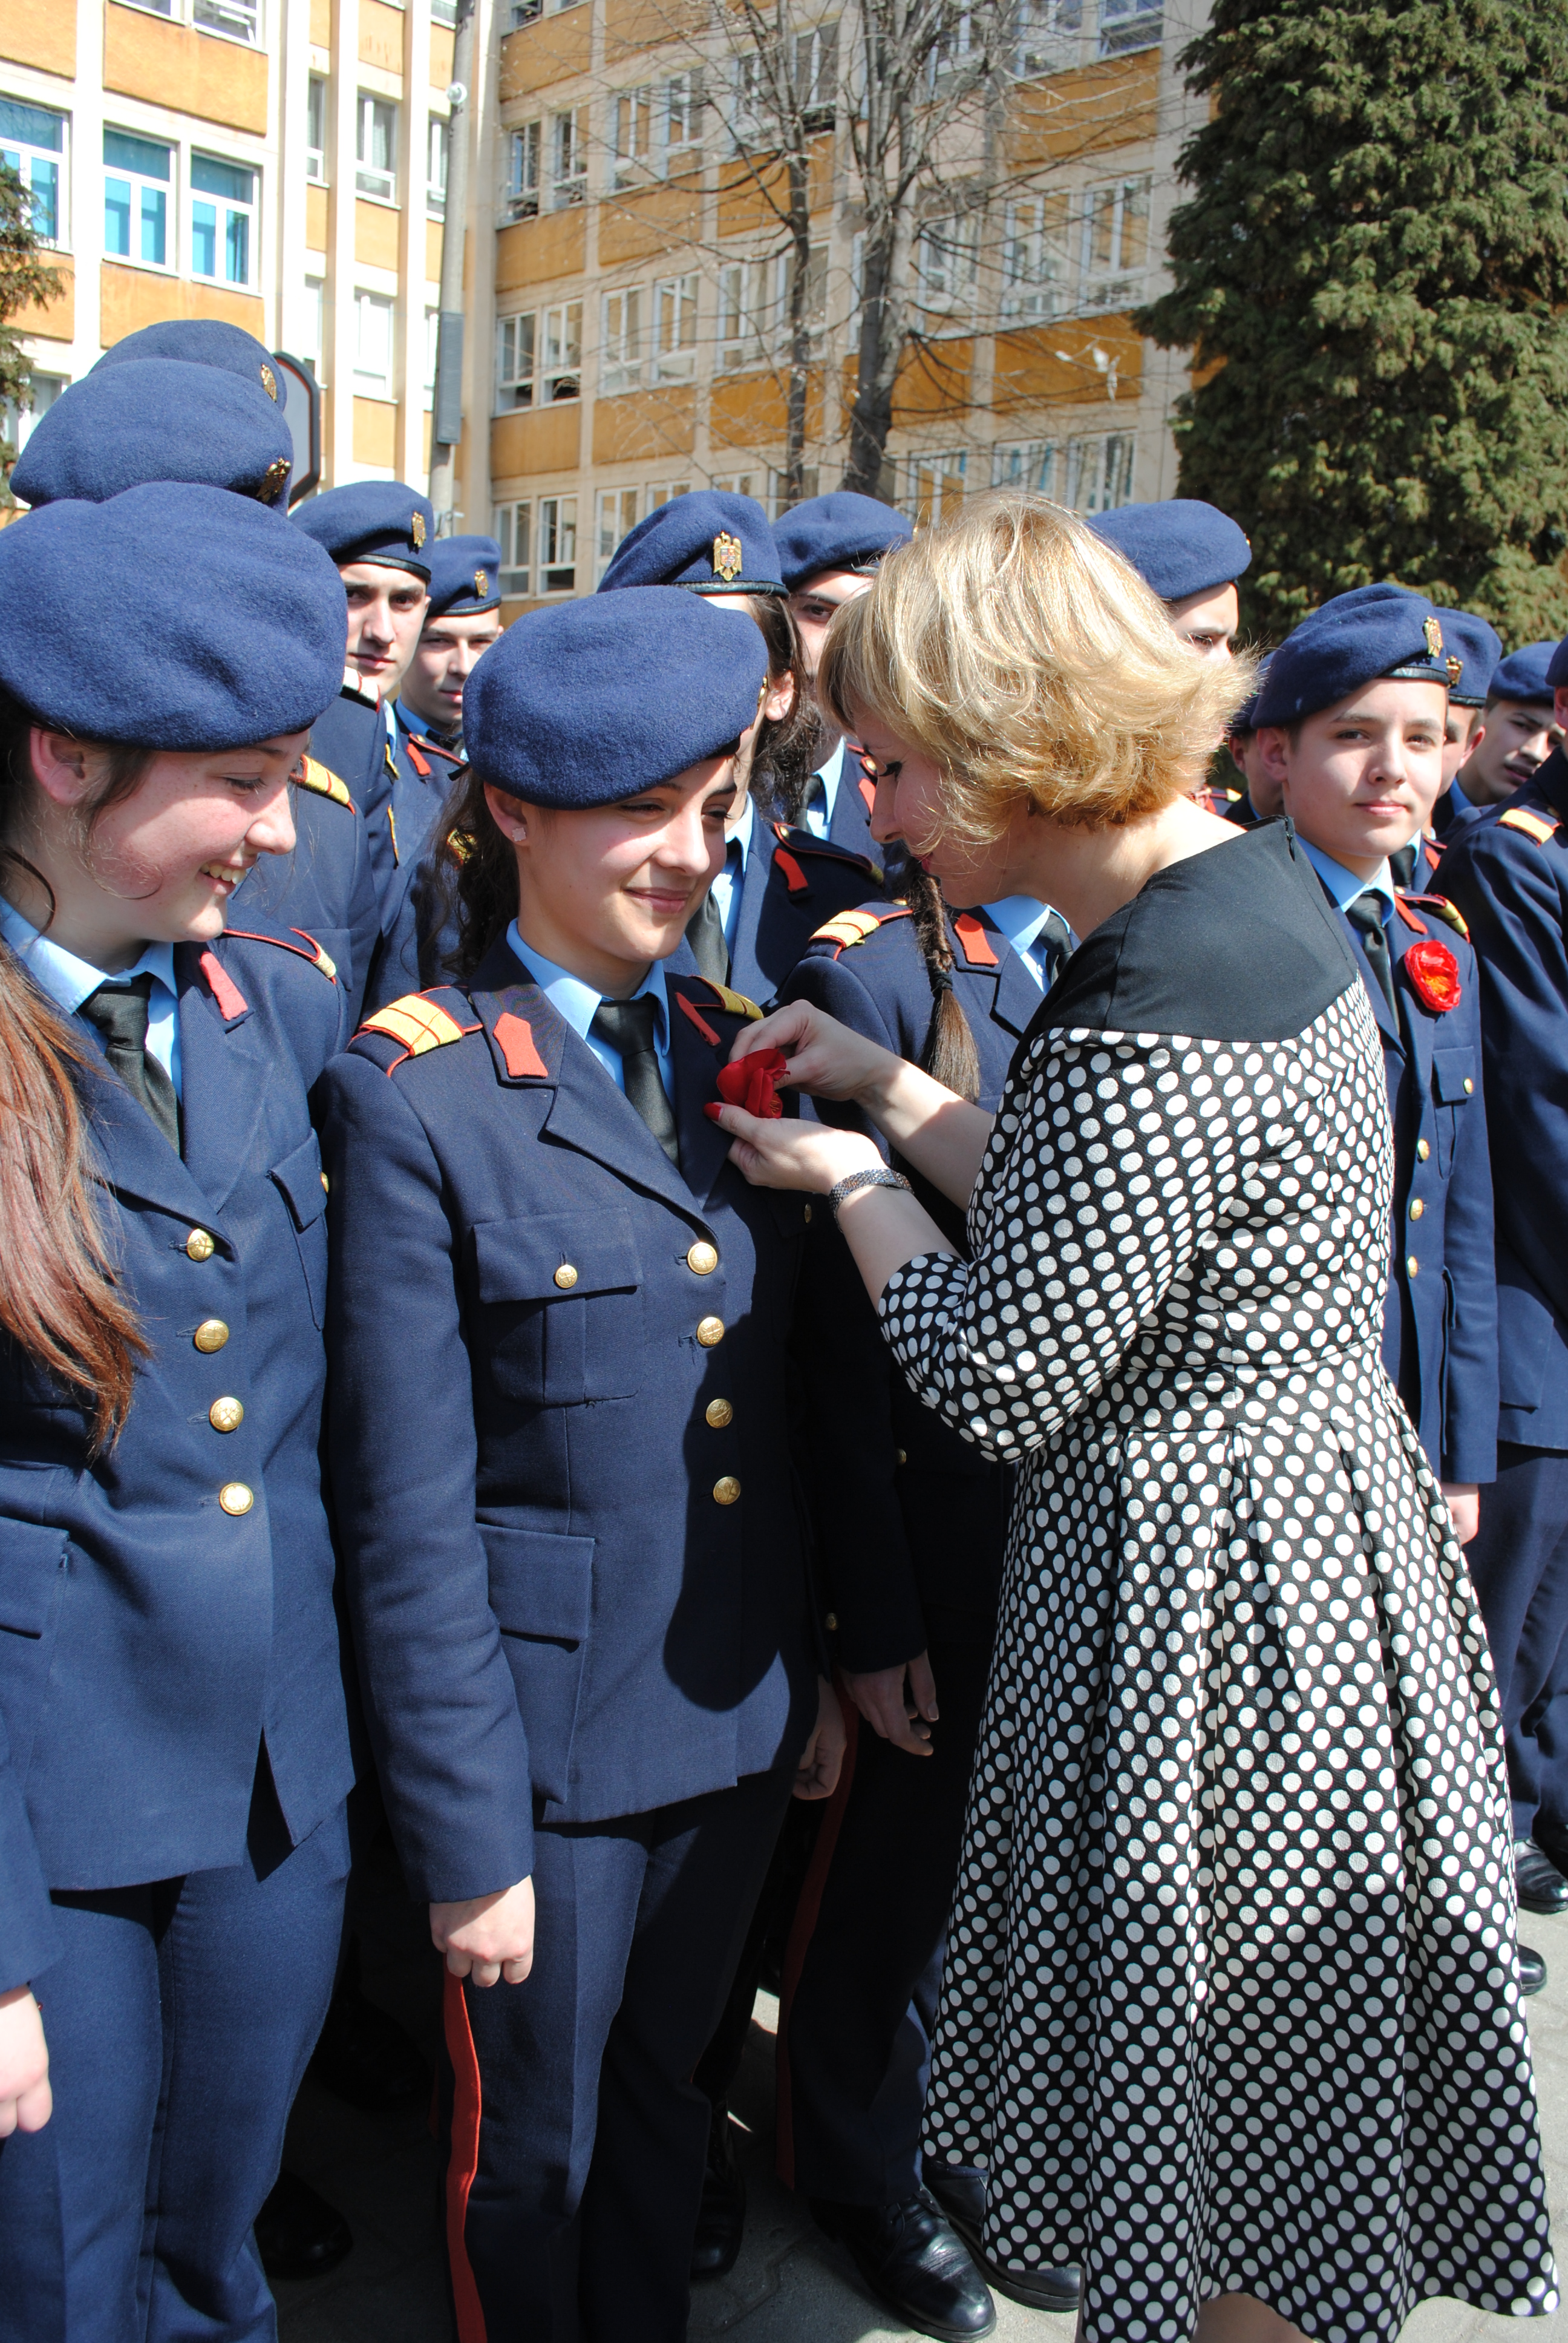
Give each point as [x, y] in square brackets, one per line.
[1538, 826]
[313, 775]
[848, 928]
[734, 1004]
[1440, 908]
[418, 1022]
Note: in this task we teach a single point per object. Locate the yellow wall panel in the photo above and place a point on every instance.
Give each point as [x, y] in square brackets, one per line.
[631, 25]
[442, 39]
[380, 45]
[550, 49]
[643, 425]
[321, 22]
[374, 233]
[524, 445]
[641, 226]
[41, 33]
[752, 410]
[53, 320]
[316, 217]
[532, 252]
[172, 64]
[375, 432]
[933, 379]
[1070, 117]
[1054, 365]
[756, 197]
[132, 297]
[433, 253]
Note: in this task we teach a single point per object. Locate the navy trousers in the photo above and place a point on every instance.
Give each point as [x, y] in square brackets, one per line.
[1519, 1564]
[179, 2019]
[864, 1964]
[576, 2137]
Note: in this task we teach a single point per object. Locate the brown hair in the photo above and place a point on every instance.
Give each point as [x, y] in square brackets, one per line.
[60, 1301]
[950, 1056]
[785, 752]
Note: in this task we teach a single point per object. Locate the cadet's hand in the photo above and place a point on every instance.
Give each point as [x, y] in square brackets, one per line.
[817, 1776]
[488, 1937]
[26, 2101]
[880, 1696]
[825, 1057]
[783, 1153]
[1465, 1504]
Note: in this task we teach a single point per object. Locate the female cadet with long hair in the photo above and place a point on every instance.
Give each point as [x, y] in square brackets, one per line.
[1230, 2016]
[175, 1757]
[574, 1547]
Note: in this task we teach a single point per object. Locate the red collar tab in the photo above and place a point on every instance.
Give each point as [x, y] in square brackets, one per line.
[977, 944]
[1408, 916]
[419, 764]
[231, 1001]
[697, 1019]
[795, 879]
[515, 1041]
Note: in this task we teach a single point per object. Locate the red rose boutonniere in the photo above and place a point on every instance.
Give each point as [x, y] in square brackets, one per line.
[1433, 973]
[752, 1083]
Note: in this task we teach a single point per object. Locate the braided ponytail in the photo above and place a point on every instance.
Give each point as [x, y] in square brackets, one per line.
[950, 1056]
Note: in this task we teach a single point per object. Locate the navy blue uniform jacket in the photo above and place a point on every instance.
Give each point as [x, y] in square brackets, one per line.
[325, 887]
[411, 944]
[794, 884]
[529, 1428]
[911, 1520]
[350, 739]
[1440, 1314]
[1508, 873]
[149, 1639]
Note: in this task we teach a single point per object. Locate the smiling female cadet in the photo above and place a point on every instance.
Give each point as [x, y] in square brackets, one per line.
[175, 1756]
[574, 1548]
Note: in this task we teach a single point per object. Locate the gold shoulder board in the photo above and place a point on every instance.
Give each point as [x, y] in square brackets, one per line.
[324, 782]
[1533, 825]
[418, 1023]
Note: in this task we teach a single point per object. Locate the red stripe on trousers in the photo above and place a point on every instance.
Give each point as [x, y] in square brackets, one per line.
[464, 2161]
[801, 1930]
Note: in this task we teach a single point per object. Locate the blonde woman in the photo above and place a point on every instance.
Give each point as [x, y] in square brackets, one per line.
[1230, 2017]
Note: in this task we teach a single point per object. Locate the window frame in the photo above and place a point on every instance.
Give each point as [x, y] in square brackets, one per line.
[250, 210]
[673, 358]
[438, 146]
[366, 298]
[525, 143]
[567, 156]
[631, 158]
[316, 119]
[367, 174]
[620, 342]
[557, 521]
[55, 158]
[1117, 283]
[135, 180]
[505, 519]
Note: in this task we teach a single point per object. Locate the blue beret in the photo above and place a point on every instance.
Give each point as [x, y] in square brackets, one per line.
[202, 341]
[1478, 647]
[1526, 676]
[228, 626]
[1557, 671]
[1178, 547]
[708, 541]
[584, 703]
[372, 521]
[161, 420]
[841, 531]
[465, 576]
[1355, 638]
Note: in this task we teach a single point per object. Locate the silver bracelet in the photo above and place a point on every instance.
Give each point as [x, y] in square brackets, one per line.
[881, 1178]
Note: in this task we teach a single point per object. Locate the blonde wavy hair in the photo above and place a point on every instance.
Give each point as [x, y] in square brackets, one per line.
[1030, 662]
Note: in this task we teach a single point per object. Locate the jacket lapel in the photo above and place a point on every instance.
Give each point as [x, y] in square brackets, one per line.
[704, 1148]
[224, 1079]
[1418, 1022]
[1388, 1024]
[137, 1159]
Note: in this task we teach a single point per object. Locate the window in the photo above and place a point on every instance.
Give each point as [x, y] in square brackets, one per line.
[1115, 244]
[33, 141]
[958, 48]
[664, 492]
[753, 297]
[682, 120]
[515, 363]
[675, 329]
[443, 12]
[557, 544]
[240, 20]
[514, 532]
[1099, 472]
[373, 343]
[137, 177]
[440, 143]
[314, 322]
[523, 172]
[1047, 33]
[816, 72]
[620, 342]
[1036, 256]
[539, 356]
[568, 160]
[1128, 24]
[946, 260]
[749, 99]
[523, 12]
[631, 119]
[616, 515]
[315, 128]
[17, 422]
[223, 220]
[936, 487]
[375, 148]
[1037, 465]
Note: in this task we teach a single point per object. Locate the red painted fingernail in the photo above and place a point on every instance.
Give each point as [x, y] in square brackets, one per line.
[712, 1110]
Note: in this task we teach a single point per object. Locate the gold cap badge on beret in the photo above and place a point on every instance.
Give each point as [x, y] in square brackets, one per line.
[1455, 669]
[728, 556]
[269, 382]
[415, 530]
[1434, 634]
[273, 480]
[481, 585]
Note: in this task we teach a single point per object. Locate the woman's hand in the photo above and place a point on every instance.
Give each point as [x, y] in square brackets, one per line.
[1465, 1506]
[783, 1153]
[488, 1937]
[816, 1775]
[826, 1059]
[26, 2101]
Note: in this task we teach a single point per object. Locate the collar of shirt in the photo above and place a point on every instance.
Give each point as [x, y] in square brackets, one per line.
[69, 981]
[578, 1003]
[417, 725]
[1343, 885]
[817, 817]
[732, 878]
[1020, 918]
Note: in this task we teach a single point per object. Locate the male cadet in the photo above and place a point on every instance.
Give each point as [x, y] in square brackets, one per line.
[1258, 799]
[1191, 554]
[830, 549]
[1508, 873]
[132, 421]
[1478, 649]
[779, 883]
[1520, 732]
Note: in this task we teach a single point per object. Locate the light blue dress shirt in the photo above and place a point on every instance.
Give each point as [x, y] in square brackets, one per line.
[69, 981]
[1343, 885]
[727, 887]
[817, 817]
[1020, 918]
[578, 1003]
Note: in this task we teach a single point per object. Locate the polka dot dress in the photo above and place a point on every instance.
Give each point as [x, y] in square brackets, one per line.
[1230, 2001]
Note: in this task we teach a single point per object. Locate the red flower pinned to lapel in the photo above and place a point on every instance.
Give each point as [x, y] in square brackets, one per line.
[1433, 974]
[753, 1082]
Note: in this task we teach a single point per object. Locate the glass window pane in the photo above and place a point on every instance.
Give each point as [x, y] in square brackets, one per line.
[118, 218]
[33, 124]
[236, 256]
[155, 224]
[215, 178]
[203, 239]
[142, 155]
[46, 184]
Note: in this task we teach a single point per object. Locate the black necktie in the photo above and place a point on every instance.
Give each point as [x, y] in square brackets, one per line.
[1365, 915]
[816, 795]
[627, 1027]
[119, 1011]
[1402, 863]
[1052, 945]
[704, 934]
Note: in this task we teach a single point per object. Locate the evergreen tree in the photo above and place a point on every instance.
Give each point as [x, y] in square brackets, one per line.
[1374, 262]
[25, 279]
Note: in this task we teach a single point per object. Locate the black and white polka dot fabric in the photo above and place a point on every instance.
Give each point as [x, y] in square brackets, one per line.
[1230, 2002]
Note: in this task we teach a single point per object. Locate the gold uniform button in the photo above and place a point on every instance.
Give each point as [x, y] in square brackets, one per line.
[199, 1245]
[326, 1185]
[901, 1455]
[226, 1415]
[1422, 1149]
[1469, 1087]
[709, 1331]
[1417, 1208]
[719, 1414]
[703, 1258]
[566, 1278]
[210, 1335]
[1412, 1264]
[235, 1498]
[831, 1623]
[724, 1492]
[807, 1213]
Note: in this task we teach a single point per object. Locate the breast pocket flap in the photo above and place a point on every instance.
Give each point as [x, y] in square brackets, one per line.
[555, 1257]
[299, 1177]
[540, 1583]
[1452, 1071]
[31, 1556]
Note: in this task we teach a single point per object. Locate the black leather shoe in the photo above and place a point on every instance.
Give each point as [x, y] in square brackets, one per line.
[298, 2234]
[912, 2260]
[960, 2193]
[365, 2056]
[1540, 1884]
[1531, 1971]
[721, 2222]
